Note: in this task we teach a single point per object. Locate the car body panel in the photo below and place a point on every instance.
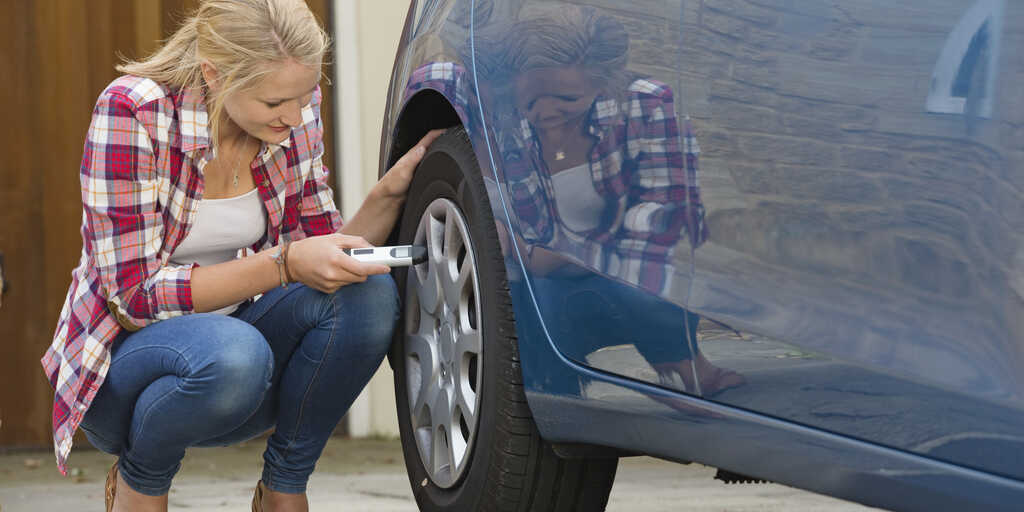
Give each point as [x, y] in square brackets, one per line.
[860, 250]
[637, 417]
[860, 273]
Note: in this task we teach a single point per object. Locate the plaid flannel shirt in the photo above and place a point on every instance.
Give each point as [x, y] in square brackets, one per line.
[141, 187]
[641, 165]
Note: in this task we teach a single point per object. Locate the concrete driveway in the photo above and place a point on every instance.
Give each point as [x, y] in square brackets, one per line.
[368, 475]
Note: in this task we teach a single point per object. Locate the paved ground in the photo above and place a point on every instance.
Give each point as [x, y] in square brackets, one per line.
[369, 475]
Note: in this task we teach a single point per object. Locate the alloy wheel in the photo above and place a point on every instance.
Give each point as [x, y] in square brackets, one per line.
[443, 343]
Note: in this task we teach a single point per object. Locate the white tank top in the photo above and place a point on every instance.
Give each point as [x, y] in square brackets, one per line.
[221, 228]
[579, 204]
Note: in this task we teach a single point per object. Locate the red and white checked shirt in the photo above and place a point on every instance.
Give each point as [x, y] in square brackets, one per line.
[141, 186]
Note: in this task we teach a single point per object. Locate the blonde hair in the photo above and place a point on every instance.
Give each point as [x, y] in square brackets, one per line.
[241, 39]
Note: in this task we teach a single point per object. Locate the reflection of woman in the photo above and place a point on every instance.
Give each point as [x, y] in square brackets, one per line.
[601, 182]
[594, 162]
[210, 148]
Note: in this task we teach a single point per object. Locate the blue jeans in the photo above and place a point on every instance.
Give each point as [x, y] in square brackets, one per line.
[295, 359]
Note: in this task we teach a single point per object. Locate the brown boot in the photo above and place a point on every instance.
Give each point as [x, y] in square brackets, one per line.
[257, 497]
[111, 487]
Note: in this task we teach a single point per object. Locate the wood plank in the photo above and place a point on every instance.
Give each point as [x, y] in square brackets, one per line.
[173, 13]
[148, 19]
[322, 10]
[78, 42]
[24, 402]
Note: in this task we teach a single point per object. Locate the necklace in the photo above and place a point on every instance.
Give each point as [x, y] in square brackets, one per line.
[234, 167]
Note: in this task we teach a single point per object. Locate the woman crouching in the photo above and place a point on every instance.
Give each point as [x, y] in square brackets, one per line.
[213, 300]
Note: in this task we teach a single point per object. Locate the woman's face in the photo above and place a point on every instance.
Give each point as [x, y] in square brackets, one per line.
[273, 107]
[555, 96]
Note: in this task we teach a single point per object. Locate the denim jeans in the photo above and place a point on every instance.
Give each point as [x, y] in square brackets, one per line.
[294, 360]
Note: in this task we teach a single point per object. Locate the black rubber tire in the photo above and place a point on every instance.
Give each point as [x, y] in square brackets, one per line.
[511, 468]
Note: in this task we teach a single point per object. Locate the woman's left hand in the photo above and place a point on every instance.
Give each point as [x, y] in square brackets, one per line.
[395, 182]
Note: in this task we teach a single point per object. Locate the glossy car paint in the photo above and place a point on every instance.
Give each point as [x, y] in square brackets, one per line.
[860, 247]
[861, 270]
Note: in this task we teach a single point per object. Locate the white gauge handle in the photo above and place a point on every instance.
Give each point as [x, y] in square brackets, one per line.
[392, 256]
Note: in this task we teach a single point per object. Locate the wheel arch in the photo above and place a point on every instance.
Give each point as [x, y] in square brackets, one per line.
[428, 109]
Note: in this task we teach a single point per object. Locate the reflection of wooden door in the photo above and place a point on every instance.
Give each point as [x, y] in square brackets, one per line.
[58, 57]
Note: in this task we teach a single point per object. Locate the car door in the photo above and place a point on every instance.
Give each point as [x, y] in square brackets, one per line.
[862, 176]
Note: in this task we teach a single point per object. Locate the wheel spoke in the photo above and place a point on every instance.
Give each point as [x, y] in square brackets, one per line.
[429, 288]
[452, 237]
[465, 398]
[453, 457]
[435, 240]
[459, 449]
[437, 450]
[427, 291]
[466, 273]
[465, 286]
[421, 412]
[468, 343]
[441, 410]
[455, 288]
[440, 415]
[423, 349]
[448, 262]
[428, 387]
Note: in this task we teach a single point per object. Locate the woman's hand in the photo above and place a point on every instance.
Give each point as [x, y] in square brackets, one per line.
[319, 262]
[395, 182]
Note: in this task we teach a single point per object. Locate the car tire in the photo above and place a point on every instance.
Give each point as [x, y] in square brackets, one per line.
[505, 464]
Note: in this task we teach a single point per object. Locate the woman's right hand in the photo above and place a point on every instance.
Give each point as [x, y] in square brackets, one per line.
[319, 262]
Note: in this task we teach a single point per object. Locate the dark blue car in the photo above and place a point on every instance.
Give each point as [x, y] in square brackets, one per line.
[782, 238]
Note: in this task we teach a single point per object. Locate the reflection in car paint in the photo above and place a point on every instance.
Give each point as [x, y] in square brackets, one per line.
[817, 390]
[602, 180]
[850, 224]
[964, 75]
